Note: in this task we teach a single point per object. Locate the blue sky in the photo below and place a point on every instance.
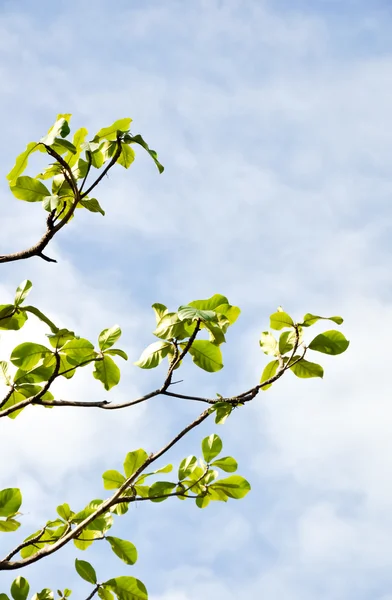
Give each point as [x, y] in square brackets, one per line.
[273, 122]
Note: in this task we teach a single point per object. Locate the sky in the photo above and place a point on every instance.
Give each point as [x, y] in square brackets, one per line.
[273, 122]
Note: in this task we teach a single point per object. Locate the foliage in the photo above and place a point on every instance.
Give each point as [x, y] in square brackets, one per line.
[197, 330]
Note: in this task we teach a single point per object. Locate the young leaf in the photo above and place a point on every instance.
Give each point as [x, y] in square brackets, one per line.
[60, 127]
[110, 133]
[10, 501]
[268, 343]
[29, 189]
[112, 479]
[310, 319]
[269, 371]
[86, 571]
[64, 511]
[211, 447]
[124, 549]
[22, 291]
[134, 460]
[20, 588]
[280, 320]
[287, 341]
[153, 354]
[21, 162]
[330, 342]
[126, 157]
[108, 337]
[305, 369]
[45, 594]
[206, 355]
[228, 464]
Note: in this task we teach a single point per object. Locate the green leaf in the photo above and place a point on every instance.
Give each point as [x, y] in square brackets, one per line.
[105, 594]
[60, 127]
[15, 398]
[153, 354]
[228, 464]
[124, 549]
[110, 133]
[4, 597]
[9, 525]
[108, 337]
[12, 318]
[186, 467]
[78, 350]
[45, 594]
[36, 375]
[280, 320]
[137, 139]
[210, 303]
[330, 342]
[269, 371]
[287, 341]
[206, 355]
[216, 334]
[29, 189]
[40, 315]
[171, 326]
[112, 479]
[160, 311]
[269, 343]
[92, 205]
[310, 319]
[165, 469]
[134, 460]
[107, 372]
[230, 312]
[21, 162]
[160, 488]
[20, 588]
[117, 352]
[223, 410]
[211, 447]
[235, 486]
[50, 203]
[202, 501]
[27, 355]
[10, 501]
[193, 314]
[86, 571]
[64, 511]
[127, 588]
[22, 291]
[57, 340]
[63, 146]
[306, 369]
[126, 157]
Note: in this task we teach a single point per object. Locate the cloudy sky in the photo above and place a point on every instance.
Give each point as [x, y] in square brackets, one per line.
[273, 120]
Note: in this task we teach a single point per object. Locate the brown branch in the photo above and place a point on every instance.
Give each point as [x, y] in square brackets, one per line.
[105, 171]
[6, 565]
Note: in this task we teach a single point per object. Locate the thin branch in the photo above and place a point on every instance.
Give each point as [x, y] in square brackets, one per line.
[6, 565]
[115, 157]
[89, 162]
[26, 543]
[7, 397]
[95, 590]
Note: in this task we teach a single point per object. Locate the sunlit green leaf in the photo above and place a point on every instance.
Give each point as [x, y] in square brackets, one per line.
[186, 467]
[108, 337]
[134, 460]
[28, 354]
[60, 128]
[12, 318]
[160, 489]
[29, 189]
[206, 355]
[268, 343]
[153, 355]
[21, 162]
[223, 410]
[22, 291]
[280, 320]
[117, 352]
[211, 447]
[107, 372]
[160, 311]
[310, 319]
[9, 525]
[137, 139]
[92, 205]
[112, 479]
[193, 314]
[127, 588]
[269, 371]
[124, 549]
[330, 342]
[235, 486]
[110, 133]
[228, 464]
